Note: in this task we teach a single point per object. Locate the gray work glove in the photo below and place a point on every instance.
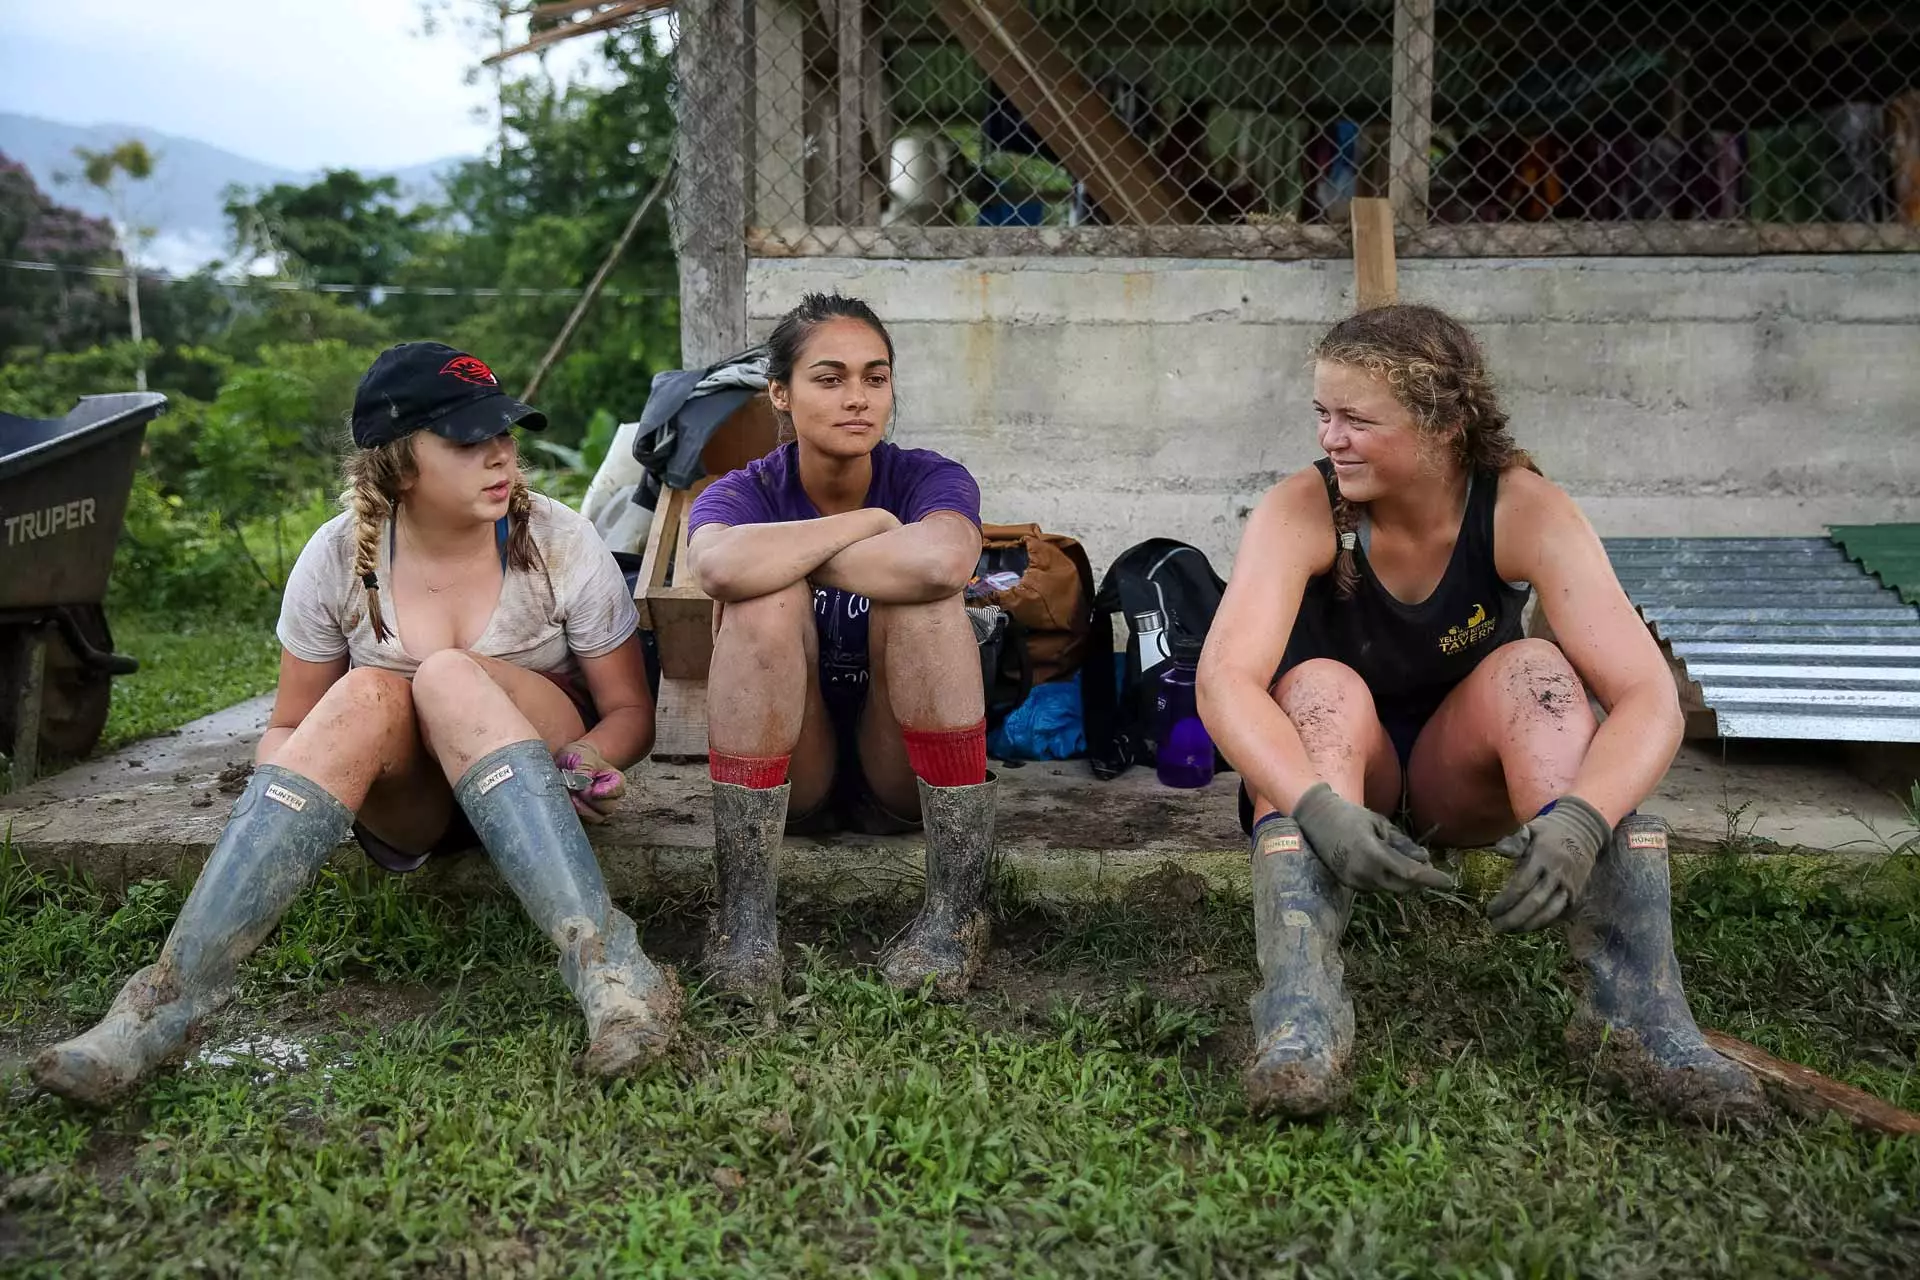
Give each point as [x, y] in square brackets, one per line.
[1362, 849]
[1553, 856]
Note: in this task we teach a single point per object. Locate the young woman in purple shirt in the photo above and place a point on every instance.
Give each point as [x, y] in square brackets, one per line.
[845, 690]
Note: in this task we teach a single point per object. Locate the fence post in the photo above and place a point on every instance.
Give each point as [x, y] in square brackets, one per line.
[1374, 275]
[710, 195]
[1407, 184]
[850, 46]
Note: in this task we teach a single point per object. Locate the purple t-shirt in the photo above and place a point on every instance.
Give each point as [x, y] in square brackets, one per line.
[910, 483]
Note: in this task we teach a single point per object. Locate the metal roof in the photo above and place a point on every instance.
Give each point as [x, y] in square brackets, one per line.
[1784, 637]
[1890, 552]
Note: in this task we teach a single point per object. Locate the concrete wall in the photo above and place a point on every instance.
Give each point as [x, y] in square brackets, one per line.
[1117, 399]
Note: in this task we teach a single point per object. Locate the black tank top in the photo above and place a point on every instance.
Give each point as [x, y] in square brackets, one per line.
[1412, 655]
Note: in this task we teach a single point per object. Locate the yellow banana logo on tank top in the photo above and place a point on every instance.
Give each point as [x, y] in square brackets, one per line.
[1479, 626]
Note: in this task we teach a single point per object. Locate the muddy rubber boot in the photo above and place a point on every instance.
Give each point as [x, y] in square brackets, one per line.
[518, 805]
[1302, 1015]
[282, 828]
[1632, 1018]
[948, 939]
[742, 955]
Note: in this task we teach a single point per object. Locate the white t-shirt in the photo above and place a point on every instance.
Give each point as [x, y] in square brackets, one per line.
[586, 613]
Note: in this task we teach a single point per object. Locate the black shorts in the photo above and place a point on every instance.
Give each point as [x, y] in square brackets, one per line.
[459, 837]
[850, 804]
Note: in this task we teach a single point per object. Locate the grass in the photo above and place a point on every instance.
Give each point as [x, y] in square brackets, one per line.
[1079, 1115]
[189, 667]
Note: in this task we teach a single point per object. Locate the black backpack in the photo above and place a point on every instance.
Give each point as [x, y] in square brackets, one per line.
[1158, 577]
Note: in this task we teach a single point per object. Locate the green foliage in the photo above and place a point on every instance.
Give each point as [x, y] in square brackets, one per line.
[46, 386]
[129, 159]
[343, 229]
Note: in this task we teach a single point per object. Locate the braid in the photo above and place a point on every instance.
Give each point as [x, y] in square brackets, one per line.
[373, 486]
[1346, 527]
[522, 552]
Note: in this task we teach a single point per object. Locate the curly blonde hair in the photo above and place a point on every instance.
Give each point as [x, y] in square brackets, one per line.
[1436, 370]
[373, 481]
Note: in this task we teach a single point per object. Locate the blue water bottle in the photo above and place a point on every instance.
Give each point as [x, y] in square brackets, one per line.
[1183, 753]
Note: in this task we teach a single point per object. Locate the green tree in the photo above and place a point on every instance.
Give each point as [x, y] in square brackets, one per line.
[575, 161]
[343, 229]
[50, 310]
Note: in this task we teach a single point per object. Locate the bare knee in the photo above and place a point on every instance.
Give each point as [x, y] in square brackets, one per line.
[778, 621]
[1536, 685]
[367, 698]
[446, 679]
[1328, 703]
[918, 618]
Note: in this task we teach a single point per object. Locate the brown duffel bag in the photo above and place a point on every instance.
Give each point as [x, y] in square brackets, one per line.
[1052, 601]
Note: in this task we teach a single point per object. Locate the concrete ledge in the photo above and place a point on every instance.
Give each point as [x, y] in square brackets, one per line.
[155, 809]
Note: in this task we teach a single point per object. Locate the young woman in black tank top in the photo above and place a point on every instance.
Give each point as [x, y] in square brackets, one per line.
[1369, 656]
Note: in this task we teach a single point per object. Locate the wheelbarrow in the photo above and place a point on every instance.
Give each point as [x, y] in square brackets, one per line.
[64, 486]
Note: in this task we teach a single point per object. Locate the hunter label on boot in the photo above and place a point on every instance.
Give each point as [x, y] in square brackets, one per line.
[495, 778]
[1654, 839]
[1283, 842]
[292, 800]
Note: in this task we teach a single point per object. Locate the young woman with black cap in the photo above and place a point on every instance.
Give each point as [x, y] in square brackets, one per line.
[457, 653]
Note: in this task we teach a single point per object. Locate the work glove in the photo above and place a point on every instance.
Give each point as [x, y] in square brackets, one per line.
[1362, 849]
[594, 786]
[1553, 856]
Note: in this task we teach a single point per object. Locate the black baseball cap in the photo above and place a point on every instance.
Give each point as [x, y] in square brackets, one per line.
[430, 386]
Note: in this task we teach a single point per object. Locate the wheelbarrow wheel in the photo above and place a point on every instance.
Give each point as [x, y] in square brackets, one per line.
[75, 697]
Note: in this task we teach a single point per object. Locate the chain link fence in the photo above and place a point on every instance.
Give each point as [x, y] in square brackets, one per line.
[1248, 127]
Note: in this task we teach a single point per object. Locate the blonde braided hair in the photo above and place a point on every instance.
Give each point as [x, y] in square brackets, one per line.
[1435, 368]
[373, 483]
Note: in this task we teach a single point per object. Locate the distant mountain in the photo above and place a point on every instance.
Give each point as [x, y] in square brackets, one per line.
[183, 199]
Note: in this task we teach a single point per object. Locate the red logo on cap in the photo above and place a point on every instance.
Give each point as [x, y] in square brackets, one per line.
[471, 369]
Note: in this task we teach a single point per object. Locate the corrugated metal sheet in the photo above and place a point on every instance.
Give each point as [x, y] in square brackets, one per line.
[1784, 637]
[1890, 552]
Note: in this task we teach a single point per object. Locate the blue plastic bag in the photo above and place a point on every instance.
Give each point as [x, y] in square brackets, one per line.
[1049, 725]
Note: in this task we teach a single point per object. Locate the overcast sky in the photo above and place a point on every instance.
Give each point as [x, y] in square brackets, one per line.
[300, 83]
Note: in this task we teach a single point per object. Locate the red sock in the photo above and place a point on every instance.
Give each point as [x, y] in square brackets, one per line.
[949, 757]
[761, 773]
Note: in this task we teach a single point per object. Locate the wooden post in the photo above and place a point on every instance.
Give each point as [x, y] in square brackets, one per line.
[779, 114]
[1408, 182]
[850, 39]
[710, 235]
[1374, 276]
[28, 706]
[710, 193]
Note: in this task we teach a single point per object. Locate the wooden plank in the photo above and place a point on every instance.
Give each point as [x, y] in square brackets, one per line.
[600, 21]
[1374, 277]
[1407, 182]
[1806, 1090]
[1074, 119]
[710, 196]
[680, 721]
